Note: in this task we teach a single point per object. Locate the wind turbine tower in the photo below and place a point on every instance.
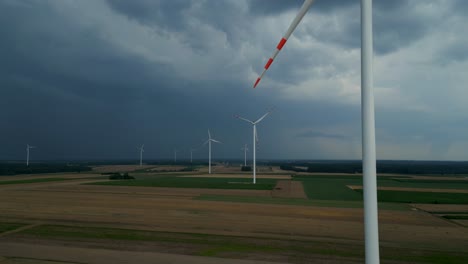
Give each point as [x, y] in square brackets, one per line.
[191, 154]
[255, 139]
[209, 149]
[371, 224]
[245, 149]
[141, 154]
[28, 147]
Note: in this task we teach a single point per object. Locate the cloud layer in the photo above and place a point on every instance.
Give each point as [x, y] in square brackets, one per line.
[95, 79]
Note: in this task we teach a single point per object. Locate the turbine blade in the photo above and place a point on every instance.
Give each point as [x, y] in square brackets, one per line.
[214, 140]
[245, 119]
[209, 134]
[292, 27]
[261, 118]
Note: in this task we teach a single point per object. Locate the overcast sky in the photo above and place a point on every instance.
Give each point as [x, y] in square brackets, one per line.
[94, 79]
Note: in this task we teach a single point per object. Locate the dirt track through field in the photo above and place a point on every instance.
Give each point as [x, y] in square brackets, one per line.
[289, 189]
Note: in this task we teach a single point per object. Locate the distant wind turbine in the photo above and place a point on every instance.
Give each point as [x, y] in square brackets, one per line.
[175, 155]
[191, 154]
[255, 139]
[245, 149]
[28, 147]
[371, 224]
[141, 153]
[209, 149]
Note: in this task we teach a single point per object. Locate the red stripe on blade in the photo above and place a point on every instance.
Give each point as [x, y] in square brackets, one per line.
[258, 80]
[281, 43]
[267, 65]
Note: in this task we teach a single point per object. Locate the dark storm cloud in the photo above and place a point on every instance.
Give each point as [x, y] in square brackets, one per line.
[271, 7]
[75, 60]
[168, 14]
[317, 134]
[185, 17]
[65, 87]
[76, 90]
[395, 23]
[455, 52]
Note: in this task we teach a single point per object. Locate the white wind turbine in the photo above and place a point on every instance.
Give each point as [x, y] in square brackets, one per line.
[28, 147]
[255, 139]
[141, 153]
[245, 149]
[371, 225]
[209, 149]
[175, 155]
[191, 154]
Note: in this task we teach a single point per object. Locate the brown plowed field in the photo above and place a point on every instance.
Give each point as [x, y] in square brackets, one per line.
[442, 207]
[405, 189]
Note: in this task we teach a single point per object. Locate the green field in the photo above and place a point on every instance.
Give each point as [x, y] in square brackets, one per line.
[4, 227]
[430, 184]
[456, 217]
[192, 182]
[331, 187]
[421, 197]
[323, 187]
[296, 201]
[221, 245]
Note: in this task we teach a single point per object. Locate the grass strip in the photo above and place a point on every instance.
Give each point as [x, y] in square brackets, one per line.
[4, 227]
[421, 197]
[456, 217]
[193, 182]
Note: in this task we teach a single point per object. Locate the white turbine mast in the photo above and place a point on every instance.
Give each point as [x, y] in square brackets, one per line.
[141, 153]
[255, 140]
[209, 149]
[175, 155]
[368, 123]
[28, 147]
[191, 154]
[245, 149]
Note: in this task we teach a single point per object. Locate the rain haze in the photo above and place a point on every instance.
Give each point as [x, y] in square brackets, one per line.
[96, 79]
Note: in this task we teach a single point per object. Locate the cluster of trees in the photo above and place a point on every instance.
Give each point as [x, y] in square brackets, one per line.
[399, 167]
[16, 168]
[246, 168]
[120, 176]
[292, 168]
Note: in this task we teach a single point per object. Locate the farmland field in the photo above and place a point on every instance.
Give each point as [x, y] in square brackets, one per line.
[198, 182]
[223, 219]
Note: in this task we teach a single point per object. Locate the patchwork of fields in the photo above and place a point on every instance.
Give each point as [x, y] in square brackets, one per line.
[226, 217]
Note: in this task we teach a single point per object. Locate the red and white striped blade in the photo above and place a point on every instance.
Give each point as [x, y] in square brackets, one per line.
[292, 27]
